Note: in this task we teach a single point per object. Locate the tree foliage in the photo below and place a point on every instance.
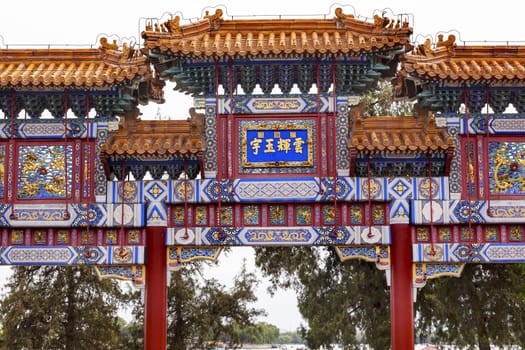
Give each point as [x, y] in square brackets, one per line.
[290, 338]
[259, 333]
[336, 299]
[50, 307]
[203, 311]
[380, 102]
[485, 306]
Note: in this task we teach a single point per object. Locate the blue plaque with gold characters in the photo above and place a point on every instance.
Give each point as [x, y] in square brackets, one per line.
[286, 144]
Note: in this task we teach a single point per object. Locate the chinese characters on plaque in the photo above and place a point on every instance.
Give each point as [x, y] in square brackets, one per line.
[277, 147]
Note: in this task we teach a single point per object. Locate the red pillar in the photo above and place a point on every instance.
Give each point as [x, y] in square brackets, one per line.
[156, 299]
[401, 298]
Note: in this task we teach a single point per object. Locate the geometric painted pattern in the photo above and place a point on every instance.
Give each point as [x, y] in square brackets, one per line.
[133, 192]
[210, 132]
[310, 189]
[380, 254]
[470, 253]
[271, 105]
[134, 273]
[28, 129]
[508, 123]
[454, 122]
[155, 191]
[343, 166]
[100, 174]
[400, 190]
[464, 211]
[211, 191]
[69, 255]
[54, 215]
[282, 189]
[178, 256]
[425, 271]
[157, 214]
[281, 236]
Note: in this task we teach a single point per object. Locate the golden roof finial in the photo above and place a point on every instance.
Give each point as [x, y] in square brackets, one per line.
[449, 43]
[341, 15]
[173, 25]
[104, 42]
[215, 19]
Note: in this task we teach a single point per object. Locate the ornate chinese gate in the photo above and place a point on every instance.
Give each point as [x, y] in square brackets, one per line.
[296, 163]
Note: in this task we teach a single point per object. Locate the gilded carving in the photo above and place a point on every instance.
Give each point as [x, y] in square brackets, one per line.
[449, 43]
[283, 144]
[356, 215]
[215, 19]
[304, 215]
[277, 215]
[201, 216]
[42, 172]
[422, 234]
[507, 167]
[424, 49]
[134, 236]
[341, 15]
[173, 25]
[277, 104]
[104, 42]
[371, 186]
[262, 236]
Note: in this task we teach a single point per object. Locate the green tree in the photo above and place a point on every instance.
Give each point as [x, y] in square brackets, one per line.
[131, 335]
[60, 308]
[380, 101]
[259, 333]
[200, 311]
[336, 299]
[485, 306]
[203, 311]
[290, 338]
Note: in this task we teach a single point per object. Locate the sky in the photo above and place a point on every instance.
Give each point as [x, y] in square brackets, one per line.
[36, 23]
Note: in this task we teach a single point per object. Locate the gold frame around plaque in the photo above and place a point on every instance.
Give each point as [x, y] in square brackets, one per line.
[267, 126]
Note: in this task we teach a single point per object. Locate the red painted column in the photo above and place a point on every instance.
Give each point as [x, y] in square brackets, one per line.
[156, 299]
[401, 298]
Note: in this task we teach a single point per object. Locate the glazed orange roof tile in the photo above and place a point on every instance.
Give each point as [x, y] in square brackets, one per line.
[408, 133]
[156, 137]
[215, 36]
[449, 61]
[55, 67]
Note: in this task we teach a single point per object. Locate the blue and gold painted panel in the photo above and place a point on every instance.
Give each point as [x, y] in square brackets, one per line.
[72, 236]
[464, 211]
[277, 146]
[44, 171]
[76, 215]
[380, 254]
[272, 105]
[286, 236]
[69, 255]
[507, 168]
[42, 128]
[134, 273]
[470, 252]
[177, 256]
[425, 271]
[277, 214]
[2, 169]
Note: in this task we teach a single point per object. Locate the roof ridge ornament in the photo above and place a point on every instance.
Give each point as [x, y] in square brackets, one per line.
[215, 19]
[450, 43]
[339, 14]
[173, 25]
[424, 49]
[105, 44]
